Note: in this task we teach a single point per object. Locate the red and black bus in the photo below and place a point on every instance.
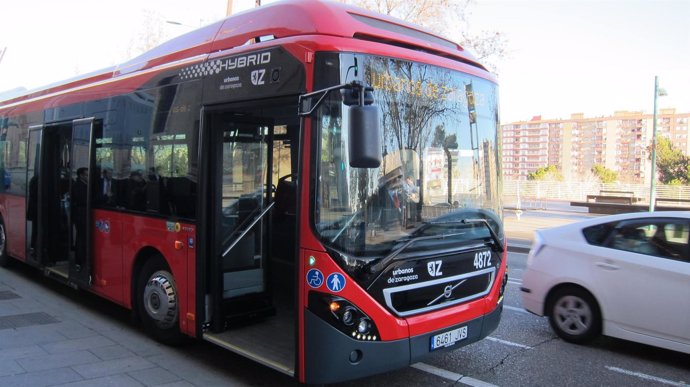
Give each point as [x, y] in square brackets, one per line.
[308, 184]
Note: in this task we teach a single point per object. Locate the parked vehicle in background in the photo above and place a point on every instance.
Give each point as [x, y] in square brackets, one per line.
[624, 276]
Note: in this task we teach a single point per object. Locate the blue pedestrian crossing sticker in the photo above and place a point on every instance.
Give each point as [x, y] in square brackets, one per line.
[335, 282]
[315, 278]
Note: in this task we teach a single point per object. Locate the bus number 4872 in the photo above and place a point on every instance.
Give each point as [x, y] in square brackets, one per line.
[482, 259]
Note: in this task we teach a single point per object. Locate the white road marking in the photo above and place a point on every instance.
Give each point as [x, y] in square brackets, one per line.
[645, 376]
[514, 309]
[514, 282]
[449, 375]
[508, 343]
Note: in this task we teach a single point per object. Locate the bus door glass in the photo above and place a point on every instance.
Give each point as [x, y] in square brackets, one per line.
[33, 172]
[241, 215]
[81, 157]
[49, 188]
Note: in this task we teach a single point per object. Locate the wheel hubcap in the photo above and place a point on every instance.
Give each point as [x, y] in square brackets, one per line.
[573, 315]
[160, 299]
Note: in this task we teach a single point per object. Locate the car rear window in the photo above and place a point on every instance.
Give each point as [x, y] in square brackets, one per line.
[596, 235]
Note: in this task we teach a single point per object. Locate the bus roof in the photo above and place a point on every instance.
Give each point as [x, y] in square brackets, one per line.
[282, 19]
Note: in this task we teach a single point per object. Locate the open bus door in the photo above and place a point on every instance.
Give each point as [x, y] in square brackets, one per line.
[251, 310]
[59, 199]
[82, 165]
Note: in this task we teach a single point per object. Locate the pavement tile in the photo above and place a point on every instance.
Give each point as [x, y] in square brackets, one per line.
[181, 383]
[71, 345]
[111, 352]
[112, 367]
[8, 308]
[136, 342]
[74, 330]
[58, 360]
[21, 337]
[107, 381]
[154, 376]
[27, 305]
[10, 367]
[41, 378]
[197, 374]
[20, 352]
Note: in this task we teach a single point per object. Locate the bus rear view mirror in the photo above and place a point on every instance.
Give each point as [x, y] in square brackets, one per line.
[365, 137]
[365, 134]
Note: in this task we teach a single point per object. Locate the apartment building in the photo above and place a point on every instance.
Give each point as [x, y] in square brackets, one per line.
[619, 142]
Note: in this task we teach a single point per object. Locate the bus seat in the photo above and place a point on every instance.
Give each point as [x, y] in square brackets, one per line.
[241, 256]
[285, 198]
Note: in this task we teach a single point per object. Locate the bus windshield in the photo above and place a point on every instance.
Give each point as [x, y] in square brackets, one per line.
[438, 183]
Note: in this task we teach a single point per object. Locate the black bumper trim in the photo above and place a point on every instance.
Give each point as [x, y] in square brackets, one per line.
[328, 351]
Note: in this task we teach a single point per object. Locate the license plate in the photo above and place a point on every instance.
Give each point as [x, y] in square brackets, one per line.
[449, 338]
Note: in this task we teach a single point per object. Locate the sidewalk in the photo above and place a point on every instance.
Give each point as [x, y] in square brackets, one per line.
[51, 335]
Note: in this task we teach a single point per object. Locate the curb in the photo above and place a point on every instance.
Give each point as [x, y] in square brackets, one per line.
[518, 248]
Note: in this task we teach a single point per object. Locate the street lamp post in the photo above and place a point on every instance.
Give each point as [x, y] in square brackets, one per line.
[652, 190]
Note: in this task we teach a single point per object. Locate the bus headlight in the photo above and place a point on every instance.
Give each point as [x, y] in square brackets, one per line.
[348, 316]
[344, 316]
[363, 326]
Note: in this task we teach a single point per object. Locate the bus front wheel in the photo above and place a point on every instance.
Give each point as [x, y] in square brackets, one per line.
[157, 302]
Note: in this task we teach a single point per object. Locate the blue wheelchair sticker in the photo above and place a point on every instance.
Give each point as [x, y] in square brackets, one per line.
[315, 278]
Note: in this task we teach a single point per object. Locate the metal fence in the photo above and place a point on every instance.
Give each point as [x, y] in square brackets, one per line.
[532, 193]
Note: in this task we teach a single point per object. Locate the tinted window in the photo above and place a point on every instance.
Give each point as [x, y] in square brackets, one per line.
[146, 153]
[667, 238]
[596, 235]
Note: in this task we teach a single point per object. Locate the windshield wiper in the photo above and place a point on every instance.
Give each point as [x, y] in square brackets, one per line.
[498, 245]
[387, 259]
[345, 227]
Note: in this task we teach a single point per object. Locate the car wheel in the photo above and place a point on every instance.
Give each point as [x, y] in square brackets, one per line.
[157, 302]
[5, 260]
[574, 315]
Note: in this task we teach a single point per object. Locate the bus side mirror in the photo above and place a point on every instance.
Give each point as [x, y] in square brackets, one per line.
[365, 137]
[365, 133]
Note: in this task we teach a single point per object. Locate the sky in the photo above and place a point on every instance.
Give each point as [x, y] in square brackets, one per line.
[564, 57]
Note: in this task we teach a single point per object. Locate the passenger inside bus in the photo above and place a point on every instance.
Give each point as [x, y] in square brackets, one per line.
[106, 188]
[136, 195]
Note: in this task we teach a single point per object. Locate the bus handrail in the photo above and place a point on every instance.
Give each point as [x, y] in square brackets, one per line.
[246, 230]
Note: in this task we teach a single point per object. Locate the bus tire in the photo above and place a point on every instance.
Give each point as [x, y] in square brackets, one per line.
[5, 260]
[157, 302]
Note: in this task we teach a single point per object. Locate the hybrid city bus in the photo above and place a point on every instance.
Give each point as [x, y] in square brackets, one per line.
[307, 184]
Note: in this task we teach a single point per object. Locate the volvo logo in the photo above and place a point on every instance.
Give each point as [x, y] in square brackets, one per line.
[447, 292]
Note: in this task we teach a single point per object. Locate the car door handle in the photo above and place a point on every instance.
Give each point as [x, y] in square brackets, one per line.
[607, 266]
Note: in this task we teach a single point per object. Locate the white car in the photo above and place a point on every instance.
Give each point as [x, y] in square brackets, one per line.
[625, 276]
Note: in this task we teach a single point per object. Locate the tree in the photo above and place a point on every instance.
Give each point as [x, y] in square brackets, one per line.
[673, 166]
[604, 174]
[448, 18]
[441, 140]
[151, 33]
[548, 173]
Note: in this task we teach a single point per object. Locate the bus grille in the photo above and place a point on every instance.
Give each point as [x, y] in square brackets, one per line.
[441, 293]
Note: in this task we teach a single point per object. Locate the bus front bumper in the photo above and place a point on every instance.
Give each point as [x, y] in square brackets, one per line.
[331, 356]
